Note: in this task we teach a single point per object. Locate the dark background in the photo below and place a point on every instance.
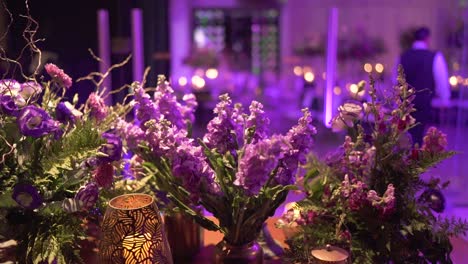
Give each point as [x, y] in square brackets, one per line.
[70, 29]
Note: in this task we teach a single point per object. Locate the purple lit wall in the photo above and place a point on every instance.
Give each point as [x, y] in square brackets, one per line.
[331, 64]
[137, 44]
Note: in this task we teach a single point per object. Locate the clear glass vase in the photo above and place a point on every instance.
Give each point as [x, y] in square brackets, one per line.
[250, 253]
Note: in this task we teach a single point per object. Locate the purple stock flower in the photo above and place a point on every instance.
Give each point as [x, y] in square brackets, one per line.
[35, 122]
[164, 138]
[189, 165]
[58, 75]
[224, 130]
[258, 121]
[87, 196]
[131, 133]
[65, 112]
[301, 141]
[27, 196]
[257, 163]
[188, 109]
[112, 148]
[300, 136]
[168, 106]
[145, 108]
[97, 106]
[8, 105]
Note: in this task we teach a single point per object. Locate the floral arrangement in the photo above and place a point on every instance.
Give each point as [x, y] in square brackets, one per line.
[236, 172]
[311, 46]
[369, 197]
[202, 58]
[359, 46]
[56, 160]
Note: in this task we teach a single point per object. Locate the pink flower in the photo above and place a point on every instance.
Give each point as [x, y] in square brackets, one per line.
[434, 141]
[104, 175]
[58, 75]
[97, 106]
[373, 197]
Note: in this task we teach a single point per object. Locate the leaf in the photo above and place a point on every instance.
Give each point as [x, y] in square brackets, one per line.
[6, 200]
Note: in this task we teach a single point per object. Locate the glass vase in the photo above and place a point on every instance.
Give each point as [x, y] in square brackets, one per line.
[184, 235]
[250, 253]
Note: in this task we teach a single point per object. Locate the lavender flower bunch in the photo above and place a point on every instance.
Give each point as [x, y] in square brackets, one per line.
[369, 196]
[237, 171]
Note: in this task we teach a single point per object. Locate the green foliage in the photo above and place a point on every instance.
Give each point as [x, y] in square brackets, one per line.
[78, 144]
[368, 198]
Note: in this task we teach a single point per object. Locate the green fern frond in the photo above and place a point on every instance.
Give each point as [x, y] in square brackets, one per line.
[81, 142]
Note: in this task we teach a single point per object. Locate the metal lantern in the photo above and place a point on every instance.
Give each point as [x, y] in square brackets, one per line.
[133, 232]
[330, 254]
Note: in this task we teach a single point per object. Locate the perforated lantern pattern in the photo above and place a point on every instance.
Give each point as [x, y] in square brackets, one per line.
[133, 232]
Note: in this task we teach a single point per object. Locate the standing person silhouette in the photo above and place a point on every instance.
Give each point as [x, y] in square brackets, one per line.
[426, 71]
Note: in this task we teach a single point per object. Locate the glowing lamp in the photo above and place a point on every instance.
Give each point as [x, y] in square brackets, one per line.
[379, 67]
[367, 67]
[133, 232]
[211, 73]
[309, 76]
[198, 82]
[182, 81]
[297, 70]
[453, 80]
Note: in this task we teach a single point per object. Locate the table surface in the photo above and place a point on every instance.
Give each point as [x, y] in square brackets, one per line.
[210, 239]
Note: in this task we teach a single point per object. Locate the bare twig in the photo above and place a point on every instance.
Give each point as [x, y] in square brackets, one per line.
[12, 148]
[102, 76]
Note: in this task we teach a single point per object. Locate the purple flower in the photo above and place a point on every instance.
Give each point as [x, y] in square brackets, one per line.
[300, 136]
[12, 88]
[434, 199]
[224, 130]
[29, 89]
[257, 123]
[257, 163]
[97, 107]
[287, 169]
[145, 108]
[9, 86]
[104, 175]
[112, 148]
[8, 105]
[35, 122]
[168, 106]
[164, 138]
[389, 200]
[87, 196]
[131, 133]
[189, 165]
[358, 197]
[65, 112]
[434, 141]
[27, 196]
[58, 75]
[188, 109]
